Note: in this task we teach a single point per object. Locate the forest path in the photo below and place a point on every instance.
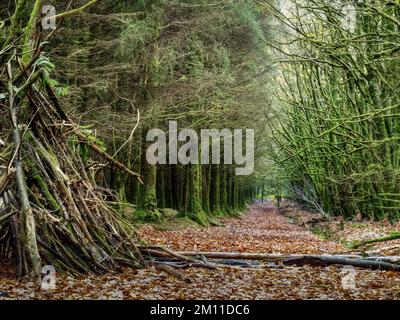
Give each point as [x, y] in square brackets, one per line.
[260, 230]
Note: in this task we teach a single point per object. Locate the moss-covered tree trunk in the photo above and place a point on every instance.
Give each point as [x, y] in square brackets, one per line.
[224, 190]
[161, 187]
[194, 193]
[215, 189]
[206, 172]
[148, 204]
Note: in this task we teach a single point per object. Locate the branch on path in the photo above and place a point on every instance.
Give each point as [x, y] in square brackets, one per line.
[371, 262]
[358, 262]
[390, 237]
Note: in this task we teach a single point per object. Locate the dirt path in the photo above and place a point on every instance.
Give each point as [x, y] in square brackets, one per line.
[261, 230]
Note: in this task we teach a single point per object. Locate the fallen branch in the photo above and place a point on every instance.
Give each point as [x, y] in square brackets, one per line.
[251, 256]
[163, 254]
[372, 262]
[327, 260]
[392, 236]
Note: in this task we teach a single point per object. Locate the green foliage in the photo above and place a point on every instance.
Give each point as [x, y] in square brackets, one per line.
[199, 62]
[138, 33]
[247, 16]
[337, 140]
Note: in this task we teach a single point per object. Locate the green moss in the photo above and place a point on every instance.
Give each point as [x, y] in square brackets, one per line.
[176, 224]
[147, 216]
[199, 217]
[29, 30]
[46, 192]
[42, 186]
[169, 213]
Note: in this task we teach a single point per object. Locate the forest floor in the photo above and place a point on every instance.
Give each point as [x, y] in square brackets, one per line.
[264, 229]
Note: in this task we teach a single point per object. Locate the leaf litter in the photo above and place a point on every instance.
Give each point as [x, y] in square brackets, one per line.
[261, 230]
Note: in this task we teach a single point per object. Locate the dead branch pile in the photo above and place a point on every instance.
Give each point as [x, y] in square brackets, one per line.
[50, 210]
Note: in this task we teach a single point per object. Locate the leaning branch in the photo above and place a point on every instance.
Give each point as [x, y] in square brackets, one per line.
[93, 146]
[75, 11]
[83, 138]
[390, 237]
